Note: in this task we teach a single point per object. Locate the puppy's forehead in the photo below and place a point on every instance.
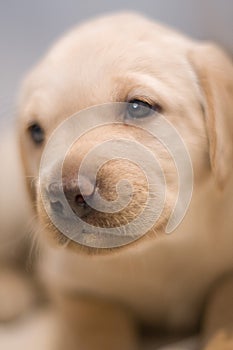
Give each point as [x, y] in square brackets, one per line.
[94, 62]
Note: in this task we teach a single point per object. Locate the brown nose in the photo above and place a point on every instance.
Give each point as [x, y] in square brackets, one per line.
[76, 193]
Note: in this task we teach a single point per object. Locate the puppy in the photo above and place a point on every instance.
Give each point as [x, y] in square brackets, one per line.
[171, 98]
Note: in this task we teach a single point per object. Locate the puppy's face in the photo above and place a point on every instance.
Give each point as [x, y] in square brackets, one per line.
[142, 77]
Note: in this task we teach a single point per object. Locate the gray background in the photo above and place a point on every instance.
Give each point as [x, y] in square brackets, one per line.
[28, 27]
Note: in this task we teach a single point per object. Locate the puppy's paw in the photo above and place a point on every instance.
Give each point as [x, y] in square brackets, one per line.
[16, 295]
[221, 341]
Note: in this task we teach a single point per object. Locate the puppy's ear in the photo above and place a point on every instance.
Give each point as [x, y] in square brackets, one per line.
[214, 71]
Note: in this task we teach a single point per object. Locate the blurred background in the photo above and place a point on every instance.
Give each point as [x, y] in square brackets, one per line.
[27, 29]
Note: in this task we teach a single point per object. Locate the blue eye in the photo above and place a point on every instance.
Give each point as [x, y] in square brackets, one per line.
[37, 133]
[139, 109]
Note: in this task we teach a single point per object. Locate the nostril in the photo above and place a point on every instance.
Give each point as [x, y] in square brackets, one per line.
[80, 201]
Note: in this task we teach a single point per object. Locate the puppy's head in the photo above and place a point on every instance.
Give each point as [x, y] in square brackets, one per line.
[165, 96]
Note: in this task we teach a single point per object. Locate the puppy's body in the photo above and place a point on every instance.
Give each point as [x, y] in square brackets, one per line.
[162, 280]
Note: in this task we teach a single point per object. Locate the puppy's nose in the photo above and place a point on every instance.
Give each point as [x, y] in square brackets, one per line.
[76, 191]
[72, 189]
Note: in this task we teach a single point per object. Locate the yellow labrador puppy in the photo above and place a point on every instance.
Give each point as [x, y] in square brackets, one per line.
[148, 151]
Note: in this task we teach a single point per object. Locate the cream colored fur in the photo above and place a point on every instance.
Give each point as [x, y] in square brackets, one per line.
[163, 280]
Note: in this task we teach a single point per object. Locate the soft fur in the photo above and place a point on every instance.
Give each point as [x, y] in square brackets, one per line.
[162, 282]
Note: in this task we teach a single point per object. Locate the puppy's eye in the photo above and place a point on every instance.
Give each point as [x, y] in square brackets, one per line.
[37, 133]
[139, 109]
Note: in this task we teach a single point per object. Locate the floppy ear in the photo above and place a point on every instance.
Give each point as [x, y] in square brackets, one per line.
[214, 70]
